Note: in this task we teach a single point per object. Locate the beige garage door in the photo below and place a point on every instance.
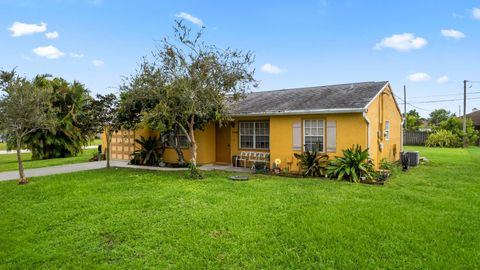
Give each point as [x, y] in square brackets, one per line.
[123, 144]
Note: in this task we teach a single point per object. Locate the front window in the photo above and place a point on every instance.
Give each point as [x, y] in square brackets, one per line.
[254, 135]
[314, 135]
[180, 139]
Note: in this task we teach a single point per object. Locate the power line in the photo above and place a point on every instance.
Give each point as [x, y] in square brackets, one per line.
[416, 107]
[443, 100]
[446, 95]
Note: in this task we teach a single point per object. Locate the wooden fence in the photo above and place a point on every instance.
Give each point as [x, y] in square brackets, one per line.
[415, 137]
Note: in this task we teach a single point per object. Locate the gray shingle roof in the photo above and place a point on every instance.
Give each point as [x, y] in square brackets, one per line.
[329, 98]
[475, 116]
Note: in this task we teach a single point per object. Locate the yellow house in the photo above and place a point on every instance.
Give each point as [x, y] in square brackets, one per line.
[283, 122]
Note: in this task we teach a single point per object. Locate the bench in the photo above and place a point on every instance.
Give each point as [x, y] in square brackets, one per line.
[257, 159]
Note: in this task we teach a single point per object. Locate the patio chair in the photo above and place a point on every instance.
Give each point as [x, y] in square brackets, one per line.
[243, 157]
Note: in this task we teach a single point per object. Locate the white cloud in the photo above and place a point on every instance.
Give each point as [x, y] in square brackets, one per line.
[419, 77]
[272, 69]
[442, 79]
[402, 42]
[190, 18]
[76, 55]
[52, 35]
[97, 62]
[451, 33]
[19, 29]
[48, 52]
[476, 13]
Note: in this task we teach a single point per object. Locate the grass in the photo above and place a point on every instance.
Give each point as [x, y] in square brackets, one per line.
[426, 218]
[8, 162]
[3, 146]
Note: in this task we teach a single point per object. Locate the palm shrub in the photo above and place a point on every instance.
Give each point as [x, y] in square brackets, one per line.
[151, 151]
[354, 165]
[312, 164]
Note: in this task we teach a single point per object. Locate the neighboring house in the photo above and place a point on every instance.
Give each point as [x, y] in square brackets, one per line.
[475, 116]
[284, 122]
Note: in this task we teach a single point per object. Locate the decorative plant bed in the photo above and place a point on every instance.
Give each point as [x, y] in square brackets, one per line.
[238, 178]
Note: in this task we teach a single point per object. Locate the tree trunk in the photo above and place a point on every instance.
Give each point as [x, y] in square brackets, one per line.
[108, 134]
[193, 145]
[178, 150]
[23, 180]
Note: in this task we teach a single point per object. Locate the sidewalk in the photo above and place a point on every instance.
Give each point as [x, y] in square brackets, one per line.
[13, 175]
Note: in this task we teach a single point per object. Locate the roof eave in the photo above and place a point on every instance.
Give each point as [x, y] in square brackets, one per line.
[302, 112]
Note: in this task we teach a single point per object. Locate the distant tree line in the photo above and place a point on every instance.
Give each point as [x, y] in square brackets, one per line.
[446, 128]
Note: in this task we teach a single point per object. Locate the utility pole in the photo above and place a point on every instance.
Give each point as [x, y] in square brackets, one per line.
[465, 113]
[405, 106]
[459, 110]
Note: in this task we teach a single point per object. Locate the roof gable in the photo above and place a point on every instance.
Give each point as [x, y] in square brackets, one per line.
[350, 97]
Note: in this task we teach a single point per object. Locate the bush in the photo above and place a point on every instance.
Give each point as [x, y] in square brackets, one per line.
[150, 153]
[455, 126]
[443, 138]
[388, 168]
[354, 165]
[194, 172]
[312, 164]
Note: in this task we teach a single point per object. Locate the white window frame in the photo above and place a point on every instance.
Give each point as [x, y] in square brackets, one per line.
[254, 134]
[386, 133]
[178, 135]
[323, 134]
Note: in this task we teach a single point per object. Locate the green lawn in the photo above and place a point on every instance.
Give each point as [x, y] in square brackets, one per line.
[3, 146]
[426, 218]
[8, 162]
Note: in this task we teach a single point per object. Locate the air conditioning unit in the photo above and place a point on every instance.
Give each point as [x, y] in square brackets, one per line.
[413, 158]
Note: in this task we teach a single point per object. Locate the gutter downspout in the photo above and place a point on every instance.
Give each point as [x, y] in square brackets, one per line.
[368, 130]
[401, 135]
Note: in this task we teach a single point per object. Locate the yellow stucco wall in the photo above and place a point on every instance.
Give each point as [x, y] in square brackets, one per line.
[382, 109]
[206, 147]
[205, 141]
[351, 129]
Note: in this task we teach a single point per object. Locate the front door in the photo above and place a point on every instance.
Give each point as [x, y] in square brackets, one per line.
[222, 135]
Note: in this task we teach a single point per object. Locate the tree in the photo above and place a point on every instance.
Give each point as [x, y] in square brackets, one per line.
[438, 116]
[72, 127]
[105, 116]
[197, 83]
[413, 120]
[24, 109]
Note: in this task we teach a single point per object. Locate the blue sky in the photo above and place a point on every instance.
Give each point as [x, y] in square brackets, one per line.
[296, 43]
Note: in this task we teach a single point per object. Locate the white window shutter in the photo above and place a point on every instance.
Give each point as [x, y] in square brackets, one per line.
[297, 136]
[331, 136]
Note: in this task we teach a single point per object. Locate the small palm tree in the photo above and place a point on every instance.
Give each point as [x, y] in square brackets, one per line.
[151, 150]
[312, 164]
[354, 165]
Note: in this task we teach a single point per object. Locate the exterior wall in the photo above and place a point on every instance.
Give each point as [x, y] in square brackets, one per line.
[205, 151]
[205, 141]
[351, 129]
[234, 135]
[383, 108]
